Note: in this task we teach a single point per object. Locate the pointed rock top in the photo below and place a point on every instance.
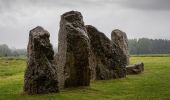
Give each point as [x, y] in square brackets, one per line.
[118, 33]
[72, 16]
[39, 32]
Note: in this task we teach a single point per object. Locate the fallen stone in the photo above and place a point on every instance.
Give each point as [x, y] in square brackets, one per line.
[135, 69]
[40, 75]
[109, 58]
[73, 51]
[119, 38]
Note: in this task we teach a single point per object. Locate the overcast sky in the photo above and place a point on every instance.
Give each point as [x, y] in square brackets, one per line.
[138, 18]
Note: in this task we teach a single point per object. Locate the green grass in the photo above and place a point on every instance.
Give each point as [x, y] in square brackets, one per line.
[153, 84]
[151, 55]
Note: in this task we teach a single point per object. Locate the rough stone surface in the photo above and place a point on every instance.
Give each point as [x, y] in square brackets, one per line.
[109, 58]
[119, 38]
[92, 64]
[40, 75]
[73, 51]
[135, 69]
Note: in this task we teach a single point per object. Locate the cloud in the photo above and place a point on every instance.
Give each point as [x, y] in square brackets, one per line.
[145, 4]
[135, 4]
[138, 18]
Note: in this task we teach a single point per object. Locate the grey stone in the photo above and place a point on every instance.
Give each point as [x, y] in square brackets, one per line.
[135, 69]
[119, 38]
[73, 51]
[92, 64]
[109, 58]
[40, 74]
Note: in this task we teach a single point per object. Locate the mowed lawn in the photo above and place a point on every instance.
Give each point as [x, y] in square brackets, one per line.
[152, 84]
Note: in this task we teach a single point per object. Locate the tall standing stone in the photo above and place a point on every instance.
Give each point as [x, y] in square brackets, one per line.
[108, 56]
[120, 39]
[73, 51]
[40, 75]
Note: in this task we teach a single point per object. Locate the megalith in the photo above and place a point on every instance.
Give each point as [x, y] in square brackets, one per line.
[40, 74]
[109, 58]
[119, 38]
[135, 69]
[73, 51]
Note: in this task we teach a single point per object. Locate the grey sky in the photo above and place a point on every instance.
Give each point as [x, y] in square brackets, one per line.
[138, 18]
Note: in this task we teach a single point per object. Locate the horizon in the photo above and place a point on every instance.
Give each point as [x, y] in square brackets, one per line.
[55, 47]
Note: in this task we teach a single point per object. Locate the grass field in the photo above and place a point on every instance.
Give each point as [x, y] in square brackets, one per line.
[153, 84]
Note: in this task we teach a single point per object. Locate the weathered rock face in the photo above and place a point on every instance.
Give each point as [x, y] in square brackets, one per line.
[40, 75]
[110, 61]
[92, 64]
[73, 51]
[135, 69]
[120, 39]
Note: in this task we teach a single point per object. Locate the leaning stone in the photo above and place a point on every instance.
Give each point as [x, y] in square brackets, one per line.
[40, 75]
[73, 51]
[119, 38]
[135, 69]
[109, 58]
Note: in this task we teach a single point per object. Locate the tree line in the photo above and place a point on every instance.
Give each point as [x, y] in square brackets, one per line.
[5, 51]
[136, 46]
[149, 46]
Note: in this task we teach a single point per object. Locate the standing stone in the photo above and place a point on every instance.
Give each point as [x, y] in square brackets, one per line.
[40, 75]
[120, 39]
[73, 51]
[110, 61]
[92, 64]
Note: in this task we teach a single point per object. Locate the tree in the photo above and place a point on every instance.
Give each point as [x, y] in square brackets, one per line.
[4, 50]
[149, 46]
